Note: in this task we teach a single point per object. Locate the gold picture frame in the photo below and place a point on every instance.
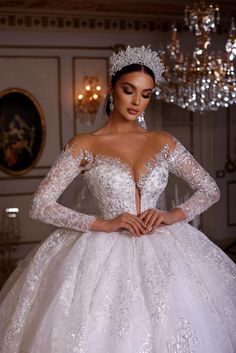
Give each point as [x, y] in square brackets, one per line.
[22, 131]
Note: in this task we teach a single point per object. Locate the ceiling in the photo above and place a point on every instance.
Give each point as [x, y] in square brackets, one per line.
[150, 8]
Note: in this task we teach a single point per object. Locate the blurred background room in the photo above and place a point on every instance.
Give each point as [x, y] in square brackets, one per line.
[53, 78]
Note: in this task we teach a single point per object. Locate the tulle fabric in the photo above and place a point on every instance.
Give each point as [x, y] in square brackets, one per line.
[94, 292]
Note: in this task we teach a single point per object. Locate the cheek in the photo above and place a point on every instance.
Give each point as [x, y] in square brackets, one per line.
[122, 99]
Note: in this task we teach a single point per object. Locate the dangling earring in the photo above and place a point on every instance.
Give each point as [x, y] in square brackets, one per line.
[141, 121]
[111, 105]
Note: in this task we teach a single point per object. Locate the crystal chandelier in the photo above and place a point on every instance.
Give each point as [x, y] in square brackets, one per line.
[88, 100]
[204, 81]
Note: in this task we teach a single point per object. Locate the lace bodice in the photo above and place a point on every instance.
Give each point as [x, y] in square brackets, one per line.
[114, 186]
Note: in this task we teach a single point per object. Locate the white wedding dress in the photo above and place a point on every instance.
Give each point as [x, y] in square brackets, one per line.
[83, 291]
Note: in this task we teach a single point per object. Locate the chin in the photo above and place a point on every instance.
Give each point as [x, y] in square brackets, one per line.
[131, 119]
[128, 117]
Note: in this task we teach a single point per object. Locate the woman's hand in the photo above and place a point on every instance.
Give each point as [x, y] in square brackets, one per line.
[154, 218]
[125, 220]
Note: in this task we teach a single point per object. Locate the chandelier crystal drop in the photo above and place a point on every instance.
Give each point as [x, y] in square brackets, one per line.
[204, 81]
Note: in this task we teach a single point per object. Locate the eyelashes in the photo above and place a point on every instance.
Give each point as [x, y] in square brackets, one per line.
[130, 92]
[127, 92]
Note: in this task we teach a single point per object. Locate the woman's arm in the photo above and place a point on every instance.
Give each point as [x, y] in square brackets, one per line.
[181, 163]
[44, 205]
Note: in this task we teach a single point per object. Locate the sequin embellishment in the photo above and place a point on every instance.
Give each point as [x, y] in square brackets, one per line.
[184, 340]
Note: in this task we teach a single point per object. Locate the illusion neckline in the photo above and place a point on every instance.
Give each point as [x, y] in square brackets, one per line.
[150, 164]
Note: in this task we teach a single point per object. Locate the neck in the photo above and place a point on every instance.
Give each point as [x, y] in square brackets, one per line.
[117, 125]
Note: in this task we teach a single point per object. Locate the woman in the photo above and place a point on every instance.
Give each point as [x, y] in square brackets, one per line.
[135, 279]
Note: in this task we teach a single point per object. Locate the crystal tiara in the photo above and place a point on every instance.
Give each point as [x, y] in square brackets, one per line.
[137, 55]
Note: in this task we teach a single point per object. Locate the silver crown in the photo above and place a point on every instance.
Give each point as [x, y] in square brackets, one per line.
[137, 55]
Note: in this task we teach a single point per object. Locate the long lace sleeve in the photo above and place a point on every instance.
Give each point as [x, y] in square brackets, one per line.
[44, 206]
[206, 192]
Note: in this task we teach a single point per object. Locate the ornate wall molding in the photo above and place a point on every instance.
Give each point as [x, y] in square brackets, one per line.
[81, 22]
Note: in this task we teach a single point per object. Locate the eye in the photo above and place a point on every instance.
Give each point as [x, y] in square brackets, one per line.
[146, 97]
[127, 91]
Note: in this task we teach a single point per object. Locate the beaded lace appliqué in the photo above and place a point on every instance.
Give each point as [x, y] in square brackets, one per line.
[150, 164]
[44, 206]
[185, 340]
[179, 161]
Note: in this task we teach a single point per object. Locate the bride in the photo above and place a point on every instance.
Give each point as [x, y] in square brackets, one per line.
[133, 279]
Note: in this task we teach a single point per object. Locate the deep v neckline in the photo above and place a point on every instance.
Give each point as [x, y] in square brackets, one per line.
[96, 159]
[150, 164]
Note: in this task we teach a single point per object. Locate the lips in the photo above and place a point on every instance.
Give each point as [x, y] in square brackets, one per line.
[132, 111]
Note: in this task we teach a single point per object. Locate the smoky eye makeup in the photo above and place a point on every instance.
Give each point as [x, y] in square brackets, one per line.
[128, 89]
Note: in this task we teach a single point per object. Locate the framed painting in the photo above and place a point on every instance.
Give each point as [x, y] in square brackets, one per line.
[22, 131]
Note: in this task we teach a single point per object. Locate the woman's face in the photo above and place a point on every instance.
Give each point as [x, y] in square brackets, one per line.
[131, 94]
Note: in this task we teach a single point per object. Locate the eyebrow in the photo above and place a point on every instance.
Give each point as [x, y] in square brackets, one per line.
[130, 84]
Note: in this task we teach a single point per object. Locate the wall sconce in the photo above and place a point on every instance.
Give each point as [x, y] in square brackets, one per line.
[88, 100]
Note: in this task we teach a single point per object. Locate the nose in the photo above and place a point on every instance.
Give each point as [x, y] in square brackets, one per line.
[136, 100]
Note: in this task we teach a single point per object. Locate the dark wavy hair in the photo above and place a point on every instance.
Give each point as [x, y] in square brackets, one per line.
[126, 70]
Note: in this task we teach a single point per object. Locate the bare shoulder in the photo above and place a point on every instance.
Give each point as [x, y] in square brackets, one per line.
[163, 137]
[80, 141]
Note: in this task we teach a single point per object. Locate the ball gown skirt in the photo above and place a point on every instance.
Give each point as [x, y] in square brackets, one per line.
[95, 292]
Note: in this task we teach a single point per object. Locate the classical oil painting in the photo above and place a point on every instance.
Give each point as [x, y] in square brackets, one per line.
[22, 131]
